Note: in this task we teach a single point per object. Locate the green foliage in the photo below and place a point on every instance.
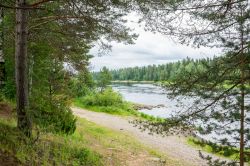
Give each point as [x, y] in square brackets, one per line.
[225, 151]
[57, 119]
[49, 149]
[223, 24]
[49, 91]
[164, 72]
[106, 98]
[90, 145]
[111, 102]
[9, 88]
[2, 97]
[78, 89]
[216, 107]
[106, 101]
[54, 58]
[82, 84]
[104, 78]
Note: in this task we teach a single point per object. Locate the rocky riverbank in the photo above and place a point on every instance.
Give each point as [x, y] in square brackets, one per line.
[137, 106]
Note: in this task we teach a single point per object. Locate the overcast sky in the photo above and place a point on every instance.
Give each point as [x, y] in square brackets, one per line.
[148, 49]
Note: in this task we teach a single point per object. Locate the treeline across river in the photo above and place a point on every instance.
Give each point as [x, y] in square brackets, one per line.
[164, 72]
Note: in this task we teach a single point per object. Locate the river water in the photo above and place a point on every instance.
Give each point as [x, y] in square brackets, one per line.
[149, 94]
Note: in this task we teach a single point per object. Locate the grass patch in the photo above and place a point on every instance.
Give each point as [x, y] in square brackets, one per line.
[81, 148]
[124, 109]
[111, 102]
[131, 82]
[119, 147]
[222, 151]
[50, 149]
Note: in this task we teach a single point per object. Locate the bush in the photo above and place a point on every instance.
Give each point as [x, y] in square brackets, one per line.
[106, 98]
[53, 116]
[111, 102]
[106, 101]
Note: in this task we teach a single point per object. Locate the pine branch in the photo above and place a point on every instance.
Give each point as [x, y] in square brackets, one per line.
[62, 17]
[40, 2]
[26, 7]
[229, 3]
[40, 24]
[183, 117]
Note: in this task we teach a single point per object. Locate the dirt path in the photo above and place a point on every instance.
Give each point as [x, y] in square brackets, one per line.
[172, 146]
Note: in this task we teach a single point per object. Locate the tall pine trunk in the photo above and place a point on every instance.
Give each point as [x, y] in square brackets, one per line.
[21, 68]
[242, 119]
[2, 65]
[242, 89]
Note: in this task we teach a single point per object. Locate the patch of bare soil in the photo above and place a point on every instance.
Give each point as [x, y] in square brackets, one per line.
[129, 159]
[6, 110]
[6, 159]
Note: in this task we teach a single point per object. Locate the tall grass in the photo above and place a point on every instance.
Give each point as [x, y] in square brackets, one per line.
[81, 148]
[49, 149]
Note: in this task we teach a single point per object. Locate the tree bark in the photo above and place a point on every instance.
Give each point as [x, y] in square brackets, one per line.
[242, 102]
[21, 69]
[2, 65]
[242, 120]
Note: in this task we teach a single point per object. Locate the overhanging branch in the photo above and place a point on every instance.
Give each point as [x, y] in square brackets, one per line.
[12, 7]
[40, 2]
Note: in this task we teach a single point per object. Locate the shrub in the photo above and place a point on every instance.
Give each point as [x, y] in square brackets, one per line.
[106, 98]
[53, 116]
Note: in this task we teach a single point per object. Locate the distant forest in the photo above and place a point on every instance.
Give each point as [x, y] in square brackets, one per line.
[165, 72]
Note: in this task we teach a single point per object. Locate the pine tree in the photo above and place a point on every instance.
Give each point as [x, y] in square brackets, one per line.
[70, 28]
[213, 23]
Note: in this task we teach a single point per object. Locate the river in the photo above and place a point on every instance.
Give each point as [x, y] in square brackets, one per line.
[149, 94]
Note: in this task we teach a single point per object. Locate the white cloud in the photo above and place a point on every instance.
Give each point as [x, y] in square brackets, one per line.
[148, 49]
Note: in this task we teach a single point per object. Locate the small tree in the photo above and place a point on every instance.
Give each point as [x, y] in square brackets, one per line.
[104, 78]
[81, 84]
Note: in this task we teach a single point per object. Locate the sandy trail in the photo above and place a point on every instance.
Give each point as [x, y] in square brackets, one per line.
[173, 146]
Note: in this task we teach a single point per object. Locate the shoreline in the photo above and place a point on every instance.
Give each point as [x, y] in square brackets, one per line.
[130, 81]
[139, 107]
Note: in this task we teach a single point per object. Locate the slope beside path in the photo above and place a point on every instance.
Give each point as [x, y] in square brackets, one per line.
[173, 146]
